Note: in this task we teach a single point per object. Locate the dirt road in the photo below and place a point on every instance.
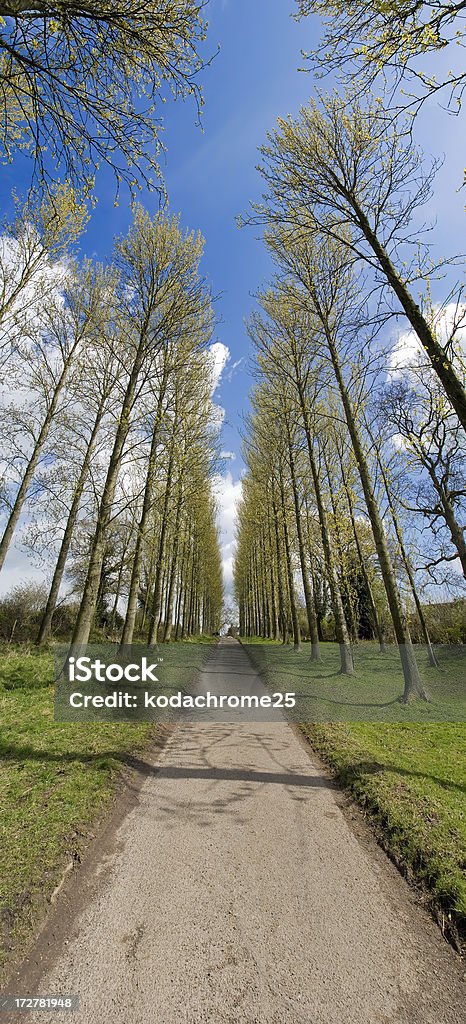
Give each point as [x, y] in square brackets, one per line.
[238, 890]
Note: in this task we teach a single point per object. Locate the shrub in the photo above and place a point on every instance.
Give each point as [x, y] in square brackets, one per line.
[446, 622]
[21, 610]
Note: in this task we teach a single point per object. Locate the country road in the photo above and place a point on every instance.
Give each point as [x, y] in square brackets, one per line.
[240, 888]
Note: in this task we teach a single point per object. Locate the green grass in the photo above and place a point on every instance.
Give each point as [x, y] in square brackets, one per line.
[177, 670]
[410, 776]
[55, 780]
[372, 694]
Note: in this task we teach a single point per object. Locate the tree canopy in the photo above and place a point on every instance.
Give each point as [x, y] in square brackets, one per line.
[85, 82]
[368, 38]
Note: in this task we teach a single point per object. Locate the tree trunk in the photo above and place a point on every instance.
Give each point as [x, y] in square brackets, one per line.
[46, 622]
[291, 585]
[289, 569]
[264, 586]
[89, 598]
[273, 586]
[162, 600]
[113, 613]
[32, 464]
[174, 563]
[407, 564]
[185, 589]
[131, 611]
[341, 628]
[281, 597]
[308, 595]
[345, 585]
[155, 607]
[180, 590]
[456, 530]
[413, 683]
[375, 617]
[438, 357]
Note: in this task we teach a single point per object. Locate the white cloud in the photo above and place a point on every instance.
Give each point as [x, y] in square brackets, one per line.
[218, 415]
[408, 351]
[228, 493]
[405, 354]
[19, 569]
[236, 365]
[44, 284]
[228, 455]
[398, 441]
[219, 356]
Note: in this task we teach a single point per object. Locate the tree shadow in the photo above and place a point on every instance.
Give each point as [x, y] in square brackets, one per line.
[354, 773]
[13, 752]
[243, 775]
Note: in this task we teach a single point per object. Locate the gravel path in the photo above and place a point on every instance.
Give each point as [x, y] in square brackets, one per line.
[239, 890]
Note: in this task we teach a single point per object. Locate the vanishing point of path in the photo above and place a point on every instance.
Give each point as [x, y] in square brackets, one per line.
[238, 889]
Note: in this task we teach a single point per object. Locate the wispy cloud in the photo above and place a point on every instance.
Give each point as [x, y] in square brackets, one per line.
[235, 366]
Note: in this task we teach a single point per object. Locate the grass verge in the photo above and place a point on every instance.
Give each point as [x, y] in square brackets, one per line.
[373, 692]
[408, 776]
[56, 780]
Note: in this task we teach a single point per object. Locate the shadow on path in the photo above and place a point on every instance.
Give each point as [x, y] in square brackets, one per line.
[242, 775]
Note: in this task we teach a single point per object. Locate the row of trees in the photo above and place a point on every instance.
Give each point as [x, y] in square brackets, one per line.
[108, 428]
[110, 433]
[341, 443]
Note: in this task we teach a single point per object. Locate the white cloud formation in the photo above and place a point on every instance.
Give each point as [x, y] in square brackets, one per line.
[219, 355]
[405, 354]
[218, 416]
[228, 493]
[228, 455]
[408, 351]
[44, 286]
[17, 569]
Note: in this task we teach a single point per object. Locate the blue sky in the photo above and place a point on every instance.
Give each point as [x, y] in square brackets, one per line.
[211, 178]
[211, 175]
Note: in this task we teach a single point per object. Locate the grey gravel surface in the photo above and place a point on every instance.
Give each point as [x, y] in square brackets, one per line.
[238, 889]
